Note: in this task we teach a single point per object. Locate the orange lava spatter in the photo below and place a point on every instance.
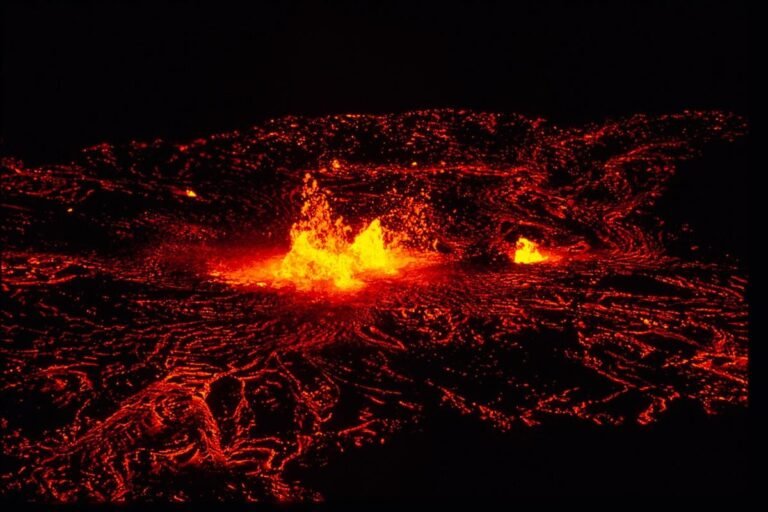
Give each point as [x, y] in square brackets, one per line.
[323, 255]
[321, 251]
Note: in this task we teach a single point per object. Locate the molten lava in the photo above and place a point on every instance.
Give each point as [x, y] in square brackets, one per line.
[527, 252]
[321, 253]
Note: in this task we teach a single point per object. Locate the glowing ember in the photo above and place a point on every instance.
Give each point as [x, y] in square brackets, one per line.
[527, 251]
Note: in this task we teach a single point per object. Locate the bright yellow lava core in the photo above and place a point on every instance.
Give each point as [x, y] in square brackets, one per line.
[321, 253]
[527, 252]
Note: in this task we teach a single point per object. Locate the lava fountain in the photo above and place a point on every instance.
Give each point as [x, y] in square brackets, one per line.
[321, 255]
[528, 252]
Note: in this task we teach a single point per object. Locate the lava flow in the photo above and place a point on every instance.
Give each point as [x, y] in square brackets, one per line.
[204, 321]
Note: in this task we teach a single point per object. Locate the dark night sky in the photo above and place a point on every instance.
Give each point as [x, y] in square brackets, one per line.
[85, 72]
[79, 73]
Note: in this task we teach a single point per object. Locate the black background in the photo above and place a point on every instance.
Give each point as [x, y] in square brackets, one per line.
[80, 73]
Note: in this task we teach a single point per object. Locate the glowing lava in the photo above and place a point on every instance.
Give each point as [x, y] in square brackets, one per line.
[321, 255]
[320, 251]
[129, 374]
[527, 252]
